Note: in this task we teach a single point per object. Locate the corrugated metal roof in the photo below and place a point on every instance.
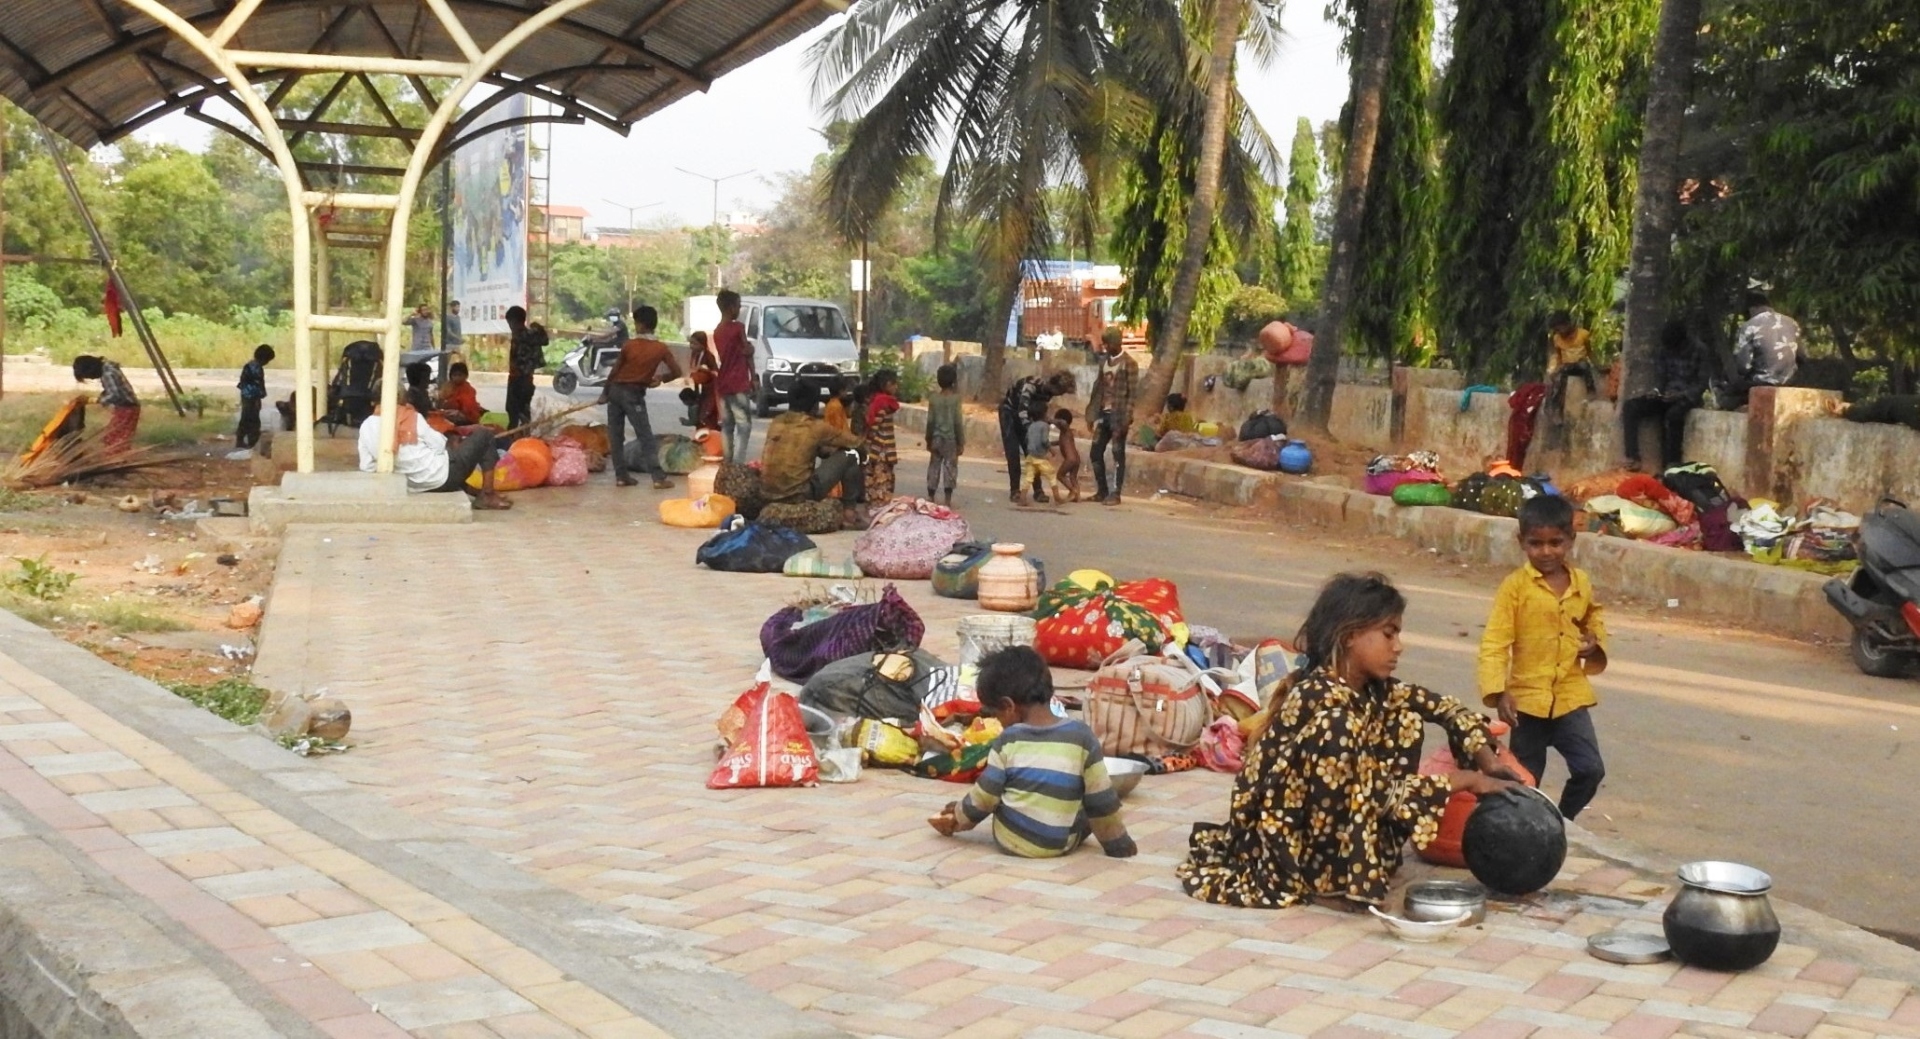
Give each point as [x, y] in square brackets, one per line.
[95, 70]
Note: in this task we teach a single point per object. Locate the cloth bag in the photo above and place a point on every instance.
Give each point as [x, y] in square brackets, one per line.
[883, 685]
[1140, 704]
[1262, 424]
[570, 463]
[751, 548]
[907, 539]
[814, 563]
[797, 650]
[1080, 627]
[1262, 453]
[1422, 492]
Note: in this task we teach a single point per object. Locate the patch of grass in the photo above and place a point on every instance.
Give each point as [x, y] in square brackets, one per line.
[130, 618]
[235, 699]
[20, 501]
[33, 611]
[39, 579]
[22, 415]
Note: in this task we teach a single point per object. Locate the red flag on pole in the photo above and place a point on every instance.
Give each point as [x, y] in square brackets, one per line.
[113, 305]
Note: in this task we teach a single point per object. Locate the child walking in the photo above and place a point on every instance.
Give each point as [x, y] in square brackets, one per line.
[253, 390]
[882, 451]
[1037, 468]
[1544, 637]
[1045, 786]
[1068, 473]
[946, 436]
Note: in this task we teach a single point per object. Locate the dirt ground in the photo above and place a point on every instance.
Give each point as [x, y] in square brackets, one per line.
[150, 593]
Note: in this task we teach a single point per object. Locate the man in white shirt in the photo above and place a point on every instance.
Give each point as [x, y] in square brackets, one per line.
[422, 454]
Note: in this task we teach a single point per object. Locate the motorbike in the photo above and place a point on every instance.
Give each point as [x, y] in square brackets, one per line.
[1881, 599]
[591, 362]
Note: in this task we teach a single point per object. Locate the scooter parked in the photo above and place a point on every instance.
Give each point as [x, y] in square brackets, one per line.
[1881, 599]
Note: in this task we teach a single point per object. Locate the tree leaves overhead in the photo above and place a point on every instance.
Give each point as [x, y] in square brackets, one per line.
[1393, 283]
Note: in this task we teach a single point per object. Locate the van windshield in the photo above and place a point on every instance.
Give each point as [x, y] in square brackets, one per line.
[803, 322]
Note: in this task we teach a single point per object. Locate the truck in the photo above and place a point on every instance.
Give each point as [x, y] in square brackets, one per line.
[795, 341]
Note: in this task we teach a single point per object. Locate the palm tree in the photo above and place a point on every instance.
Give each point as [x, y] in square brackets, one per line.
[1226, 23]
[1656, 208]
[1015, 90]
[1369, 87]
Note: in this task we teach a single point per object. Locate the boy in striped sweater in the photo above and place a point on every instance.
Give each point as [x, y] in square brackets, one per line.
[1045, 785]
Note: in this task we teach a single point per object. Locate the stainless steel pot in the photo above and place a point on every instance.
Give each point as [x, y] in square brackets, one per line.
[1720, 919]
[1446, 900]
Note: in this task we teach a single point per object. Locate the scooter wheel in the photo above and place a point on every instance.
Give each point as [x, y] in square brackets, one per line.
[564, 383]
[1877, 660]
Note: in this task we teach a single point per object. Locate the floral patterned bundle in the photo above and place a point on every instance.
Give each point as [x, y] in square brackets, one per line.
[1080, 627]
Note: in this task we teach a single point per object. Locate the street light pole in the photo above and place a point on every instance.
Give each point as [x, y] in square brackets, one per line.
[716, 181]
[628, 276]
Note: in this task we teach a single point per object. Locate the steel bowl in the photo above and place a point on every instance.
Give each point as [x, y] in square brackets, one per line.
[1125, 774]
[1428, 900]
[1730, 878]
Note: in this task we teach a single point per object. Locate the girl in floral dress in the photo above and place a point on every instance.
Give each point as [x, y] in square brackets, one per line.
[882, 452]
[1328, 795]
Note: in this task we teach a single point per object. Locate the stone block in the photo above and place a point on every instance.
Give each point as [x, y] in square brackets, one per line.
[354, 486]
[1362, 415]
[270, 509]
[1772, 414]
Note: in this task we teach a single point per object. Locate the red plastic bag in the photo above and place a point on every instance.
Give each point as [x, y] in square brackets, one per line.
[767, 743]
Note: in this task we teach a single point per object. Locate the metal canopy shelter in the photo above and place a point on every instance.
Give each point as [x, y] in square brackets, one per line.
[95, 70]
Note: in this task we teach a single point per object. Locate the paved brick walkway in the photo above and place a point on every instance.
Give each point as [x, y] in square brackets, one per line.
[544, 683]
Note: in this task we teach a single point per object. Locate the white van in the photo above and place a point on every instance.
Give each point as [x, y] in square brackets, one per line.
[794, 340]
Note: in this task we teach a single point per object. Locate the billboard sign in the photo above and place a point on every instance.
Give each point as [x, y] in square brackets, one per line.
[489, 216]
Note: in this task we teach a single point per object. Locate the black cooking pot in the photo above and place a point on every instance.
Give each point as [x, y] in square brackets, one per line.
[1515, 841]
[1720, 918]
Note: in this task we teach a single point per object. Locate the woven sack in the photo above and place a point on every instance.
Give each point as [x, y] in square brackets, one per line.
[570, 463]
[1140, 704]
[908, 539]
[807, 517]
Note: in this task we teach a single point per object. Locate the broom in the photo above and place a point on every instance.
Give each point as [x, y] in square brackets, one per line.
[79, 457]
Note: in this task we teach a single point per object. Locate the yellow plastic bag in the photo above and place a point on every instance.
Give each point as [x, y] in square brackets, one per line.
[884, 745]
[706, 512]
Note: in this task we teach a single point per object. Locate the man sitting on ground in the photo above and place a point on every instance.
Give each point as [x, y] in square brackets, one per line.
[805, 458]
[432, 462]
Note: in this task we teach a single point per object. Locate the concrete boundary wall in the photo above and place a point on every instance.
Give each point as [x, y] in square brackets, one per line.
[1708, 587]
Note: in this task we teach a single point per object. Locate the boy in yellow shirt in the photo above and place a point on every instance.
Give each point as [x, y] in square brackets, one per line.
[1543, 638]
[1569, 354]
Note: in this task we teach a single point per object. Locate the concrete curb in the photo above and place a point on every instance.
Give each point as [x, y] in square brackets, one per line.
[1707, 587]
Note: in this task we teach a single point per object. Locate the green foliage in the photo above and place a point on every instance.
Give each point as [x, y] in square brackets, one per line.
[28, 302]
[1302, 256]
[1541, 108]
[915, 382]
[1810, 113]
[38, 579]
[21, 501]
[1248, 310]
[1394, 278]
[235, 699]
[129, 618]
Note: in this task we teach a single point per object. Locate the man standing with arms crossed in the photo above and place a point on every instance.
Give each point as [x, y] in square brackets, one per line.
[641, 359]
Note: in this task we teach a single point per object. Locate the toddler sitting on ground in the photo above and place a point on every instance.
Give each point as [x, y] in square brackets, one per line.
[1045, 785]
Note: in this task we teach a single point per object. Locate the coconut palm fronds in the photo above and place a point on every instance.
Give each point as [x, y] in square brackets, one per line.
[78, 457]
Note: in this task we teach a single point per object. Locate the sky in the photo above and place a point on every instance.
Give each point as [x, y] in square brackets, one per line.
[760, 121]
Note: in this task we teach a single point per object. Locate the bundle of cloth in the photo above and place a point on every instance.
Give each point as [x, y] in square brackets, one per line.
[1385, 472]
[1820, 538]
[1686, 506]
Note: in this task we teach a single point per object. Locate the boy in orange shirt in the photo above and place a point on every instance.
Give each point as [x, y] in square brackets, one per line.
[1543, 638]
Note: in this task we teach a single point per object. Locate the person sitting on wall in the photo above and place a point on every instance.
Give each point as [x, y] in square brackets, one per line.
[1682, 381]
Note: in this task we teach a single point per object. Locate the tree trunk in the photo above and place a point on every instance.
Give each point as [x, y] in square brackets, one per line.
[1172, 338]
[1656, 203]
[1369, 87]
[995, 348]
